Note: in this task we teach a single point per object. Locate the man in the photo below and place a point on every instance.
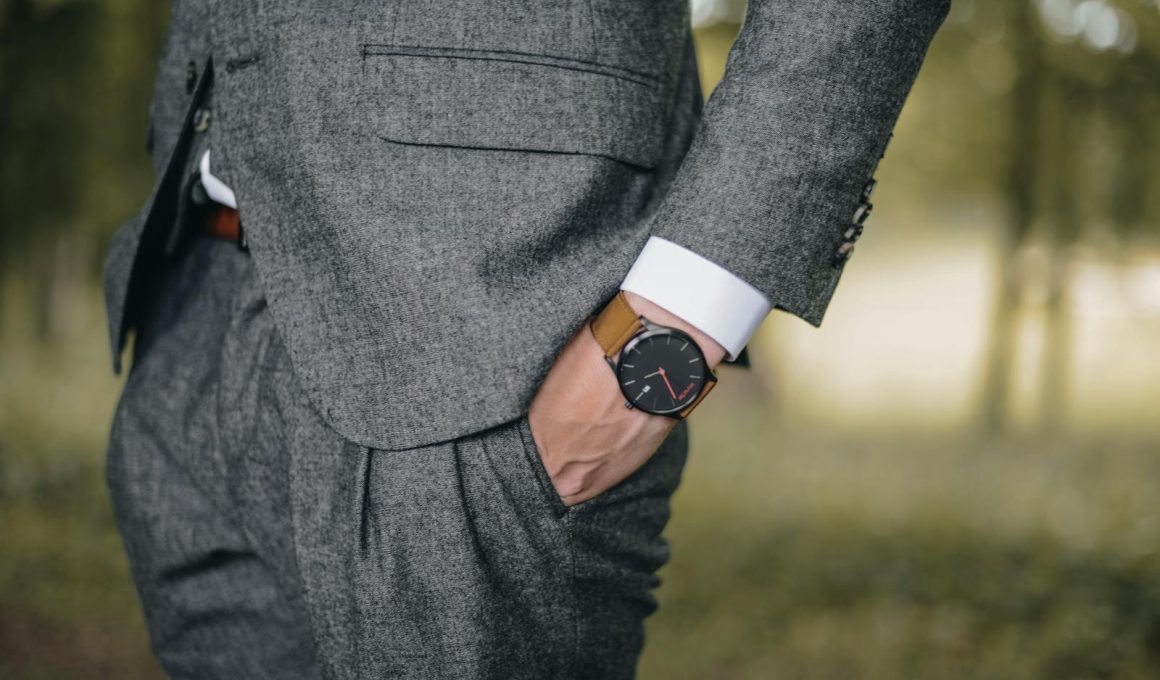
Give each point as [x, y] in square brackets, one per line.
[388, 414]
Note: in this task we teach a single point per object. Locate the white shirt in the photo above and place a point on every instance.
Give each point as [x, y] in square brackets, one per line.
[707, 296]
[216, 189]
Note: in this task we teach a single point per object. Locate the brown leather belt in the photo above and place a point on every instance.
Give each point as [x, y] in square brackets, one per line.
[223, 222]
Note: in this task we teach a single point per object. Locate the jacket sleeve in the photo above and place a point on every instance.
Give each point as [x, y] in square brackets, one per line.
[790, 138]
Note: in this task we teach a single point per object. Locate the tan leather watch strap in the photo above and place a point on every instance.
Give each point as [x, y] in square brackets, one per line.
[615, 325]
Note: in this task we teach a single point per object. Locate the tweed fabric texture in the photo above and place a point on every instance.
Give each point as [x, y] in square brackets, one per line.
[266, 545]
[199, 483]
[449, 188]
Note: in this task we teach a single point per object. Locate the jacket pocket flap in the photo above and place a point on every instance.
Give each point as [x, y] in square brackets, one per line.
[512, 101]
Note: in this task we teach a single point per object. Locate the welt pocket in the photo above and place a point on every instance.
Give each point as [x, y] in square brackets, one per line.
[486, 99]
[547, 60]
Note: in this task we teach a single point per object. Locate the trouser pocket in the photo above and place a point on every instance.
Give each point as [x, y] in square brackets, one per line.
[535, 463]
[659, 476]
[459, 560]
[616, 546]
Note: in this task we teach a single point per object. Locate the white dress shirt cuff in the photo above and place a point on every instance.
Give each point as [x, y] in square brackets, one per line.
[216, 189]
[707, 296]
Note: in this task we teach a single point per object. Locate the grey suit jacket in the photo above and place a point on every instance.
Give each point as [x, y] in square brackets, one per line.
[437, 194]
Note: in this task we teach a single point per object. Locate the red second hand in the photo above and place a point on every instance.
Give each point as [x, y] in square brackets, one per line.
[666, 379]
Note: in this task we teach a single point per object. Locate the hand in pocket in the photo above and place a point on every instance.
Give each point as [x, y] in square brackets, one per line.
[587, 439]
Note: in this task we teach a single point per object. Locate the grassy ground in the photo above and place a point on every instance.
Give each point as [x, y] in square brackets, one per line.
[835, 557]
[67, 607]
[796, 554]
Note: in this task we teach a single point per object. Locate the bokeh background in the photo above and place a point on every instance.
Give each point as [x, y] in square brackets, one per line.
[955, 477]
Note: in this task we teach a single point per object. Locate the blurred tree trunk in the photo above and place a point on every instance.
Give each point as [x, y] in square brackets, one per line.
[1022, 171]
[1068, 130]
[74, 92]
[1132, 112]
[46, 92]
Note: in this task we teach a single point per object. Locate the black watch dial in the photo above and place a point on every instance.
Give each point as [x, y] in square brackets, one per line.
[661, 371]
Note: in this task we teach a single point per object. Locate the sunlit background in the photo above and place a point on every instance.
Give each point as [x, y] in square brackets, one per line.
[955, 477]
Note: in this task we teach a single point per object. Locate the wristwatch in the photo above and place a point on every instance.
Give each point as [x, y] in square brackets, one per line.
[660, 370]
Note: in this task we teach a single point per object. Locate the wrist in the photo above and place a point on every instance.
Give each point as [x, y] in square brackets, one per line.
[713, 351]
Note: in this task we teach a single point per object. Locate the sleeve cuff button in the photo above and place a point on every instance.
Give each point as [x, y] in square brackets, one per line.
[863, 213]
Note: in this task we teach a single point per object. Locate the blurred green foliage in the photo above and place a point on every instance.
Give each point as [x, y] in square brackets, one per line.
[75, 79]
[798, 552]
[831, 555]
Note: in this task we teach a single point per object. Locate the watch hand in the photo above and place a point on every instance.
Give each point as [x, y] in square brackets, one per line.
[651, 374]
[666, 378]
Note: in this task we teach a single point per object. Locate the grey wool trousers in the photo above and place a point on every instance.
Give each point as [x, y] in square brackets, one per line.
[265, 545]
